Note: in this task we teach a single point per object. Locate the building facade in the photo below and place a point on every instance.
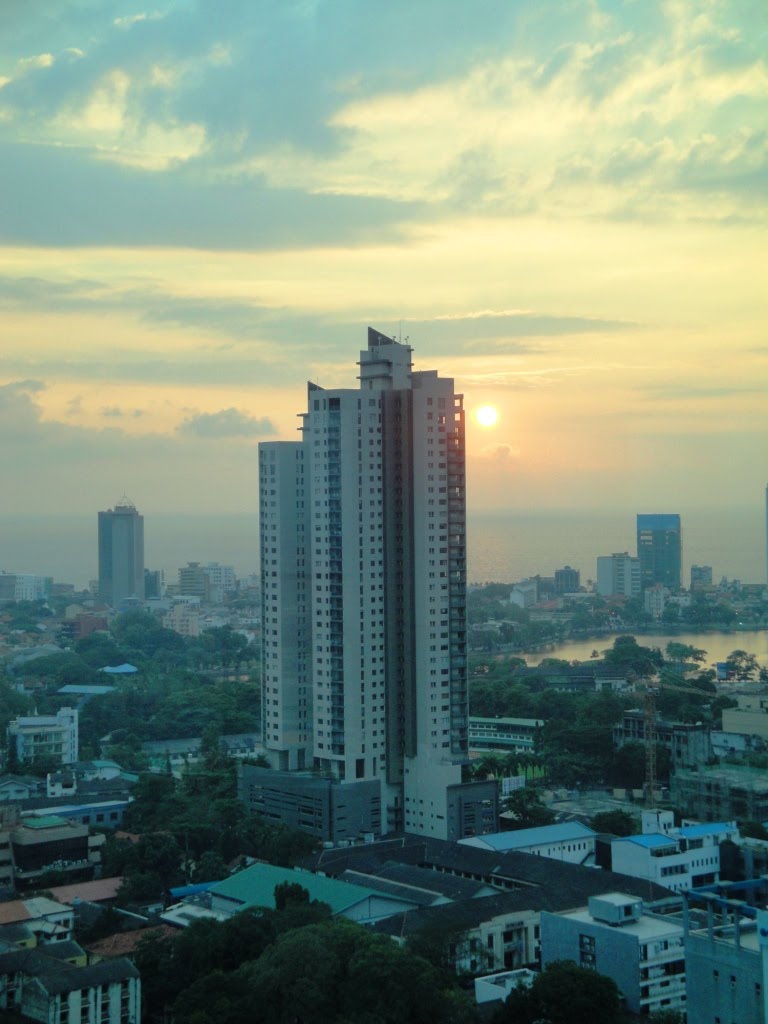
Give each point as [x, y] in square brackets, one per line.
[643, 954]
[50, 737]
[121, 554]
[618, 575]
[660, 549]
[363, 562]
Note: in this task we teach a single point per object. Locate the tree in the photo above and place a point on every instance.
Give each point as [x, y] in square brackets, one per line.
[667, 1017]
[564, 994]
[290, 892]
[617, 823]
[528, 809]
[742, 665]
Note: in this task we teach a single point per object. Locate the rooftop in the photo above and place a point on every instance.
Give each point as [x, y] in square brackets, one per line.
[526, 837]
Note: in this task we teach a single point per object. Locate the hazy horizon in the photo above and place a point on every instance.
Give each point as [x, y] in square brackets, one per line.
[502, 546]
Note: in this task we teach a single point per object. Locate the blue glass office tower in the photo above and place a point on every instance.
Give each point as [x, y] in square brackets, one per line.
[660, 550]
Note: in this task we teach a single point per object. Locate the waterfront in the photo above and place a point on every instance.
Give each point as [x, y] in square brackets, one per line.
[717, 645]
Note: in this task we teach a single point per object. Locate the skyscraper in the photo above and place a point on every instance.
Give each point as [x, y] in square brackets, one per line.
[363, 564]
[121, 554]
[660, 549]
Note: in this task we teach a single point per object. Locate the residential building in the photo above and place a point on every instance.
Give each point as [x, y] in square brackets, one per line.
[183, 617]
[569, 841]
[45, 737]
[24, 586]
[660, 549]
[618, 575]
[193, 581]
[44, 987]
[678, 858]
[32, 846]
[221, 581]
[654, 600]
[510, 735]
[121, 554]
[567, 581]
[701, 577]
[363, 565]
[612, 935]
[726, 958]
[525, 594]
[178, 755]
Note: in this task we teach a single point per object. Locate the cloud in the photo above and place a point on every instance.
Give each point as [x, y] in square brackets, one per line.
[501, 452]
[227, 423]
[115, 412]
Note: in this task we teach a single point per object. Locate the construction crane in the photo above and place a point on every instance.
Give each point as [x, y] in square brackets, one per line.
[652, 688]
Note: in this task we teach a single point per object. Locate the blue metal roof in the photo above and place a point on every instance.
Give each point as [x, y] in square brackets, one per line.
[568, 830]
[651, 842]
[708, 828]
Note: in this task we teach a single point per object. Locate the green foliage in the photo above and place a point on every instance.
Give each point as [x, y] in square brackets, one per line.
[631, 656]
[667, 1017]
[754, 830]
[564, 994]
[617, 823]
[528, 809]
[290, 892]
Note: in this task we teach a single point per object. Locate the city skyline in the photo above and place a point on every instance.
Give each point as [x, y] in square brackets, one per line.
[566, 215]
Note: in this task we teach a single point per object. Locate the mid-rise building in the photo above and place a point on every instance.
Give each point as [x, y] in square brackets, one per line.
[660, 549]
[121, 554]
[509, 735]
[363, 564]
[567, 580]
[644, 954]
[45, 737]
[618, 575]
[24, 586]
[654, 600]
[701, 577]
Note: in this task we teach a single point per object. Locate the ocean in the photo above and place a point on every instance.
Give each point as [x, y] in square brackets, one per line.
[502, 547]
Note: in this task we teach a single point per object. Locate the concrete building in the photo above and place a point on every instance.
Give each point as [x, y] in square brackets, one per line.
[50, 737]
[643, 954]
[221, 581]
[701, 577]
[183, 617]
[504, 734]
[567, 581]
[618, 575]
[363, 565]
[121, 554]
[660, 549]
[24, 586]
[654, 600]
[43, 986]
[525, 594]
[726, 959]
[678, 858]
[688, 743]
[32, 846]
[721, 792]
[750, 717]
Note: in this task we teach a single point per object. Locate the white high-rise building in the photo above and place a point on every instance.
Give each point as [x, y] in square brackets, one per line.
[618, 574]
[363, 564]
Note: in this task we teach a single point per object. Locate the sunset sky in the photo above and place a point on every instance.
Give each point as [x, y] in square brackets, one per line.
[563, 205]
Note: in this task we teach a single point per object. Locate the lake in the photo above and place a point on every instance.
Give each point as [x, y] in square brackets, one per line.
[717, 645]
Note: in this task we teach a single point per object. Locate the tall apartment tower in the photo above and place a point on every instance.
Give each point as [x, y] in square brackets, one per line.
[363, 563]
[660, 550]
[121, 554]
[618, 574]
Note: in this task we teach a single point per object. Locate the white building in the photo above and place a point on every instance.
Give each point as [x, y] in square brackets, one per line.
[524, 594]
[618, 574]
[23, 586]
[644, 955]
[183, 617]
[570, 841]
[678, 858]
[45, 736]
[221, 581]
[364, 591]
[654, 599]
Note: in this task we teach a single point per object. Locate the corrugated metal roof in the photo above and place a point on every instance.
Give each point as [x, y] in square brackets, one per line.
[255, 887]
[526, 837]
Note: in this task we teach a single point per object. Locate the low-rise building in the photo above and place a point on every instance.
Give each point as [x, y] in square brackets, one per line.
[506, 734]
[689, 744]
[50, 989]
[41, 844]
[750, 718]
[612, 935]
[678, 858]
[570, 841]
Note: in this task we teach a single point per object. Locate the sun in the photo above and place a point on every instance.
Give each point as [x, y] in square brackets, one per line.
[486, 415]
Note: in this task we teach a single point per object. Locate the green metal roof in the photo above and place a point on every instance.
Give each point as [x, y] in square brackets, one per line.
[255, 887]
[47, 821]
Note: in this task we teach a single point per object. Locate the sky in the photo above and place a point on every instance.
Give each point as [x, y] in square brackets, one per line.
[563, 205]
